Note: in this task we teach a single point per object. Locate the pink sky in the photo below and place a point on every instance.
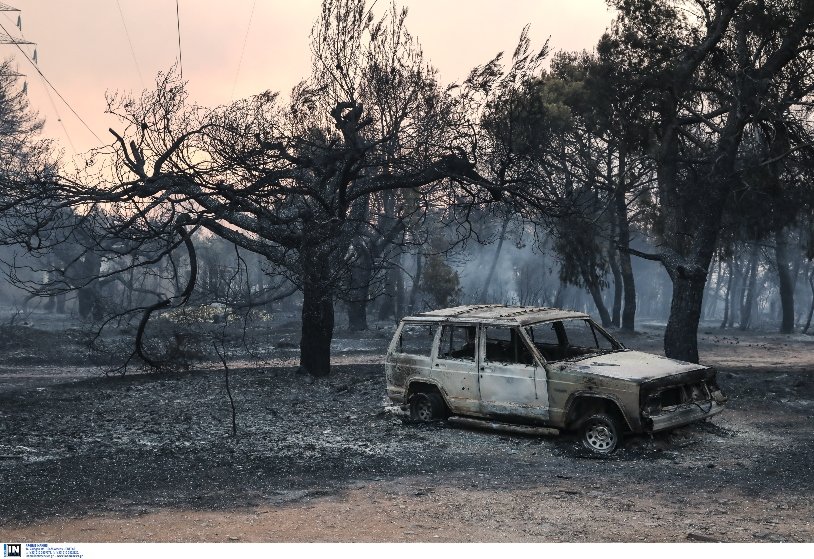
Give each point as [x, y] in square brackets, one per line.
[83, 49]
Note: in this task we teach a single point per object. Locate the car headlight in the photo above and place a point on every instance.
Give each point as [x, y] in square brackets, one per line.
[652, 405]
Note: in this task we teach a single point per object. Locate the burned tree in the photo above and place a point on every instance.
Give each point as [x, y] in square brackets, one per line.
[712, 71]
[289, 180]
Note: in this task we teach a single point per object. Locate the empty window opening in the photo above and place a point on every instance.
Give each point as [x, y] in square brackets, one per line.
[458, 342]
[416, 339]
[505, 345]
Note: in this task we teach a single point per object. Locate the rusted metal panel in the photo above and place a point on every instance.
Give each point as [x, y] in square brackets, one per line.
[510, 389]
[634, 365]
[499, 314]
[459, 383]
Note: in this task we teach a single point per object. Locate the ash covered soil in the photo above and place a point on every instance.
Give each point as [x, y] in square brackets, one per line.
[151, 457]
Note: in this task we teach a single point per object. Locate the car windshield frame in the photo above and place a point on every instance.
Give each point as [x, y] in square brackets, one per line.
[554, 353]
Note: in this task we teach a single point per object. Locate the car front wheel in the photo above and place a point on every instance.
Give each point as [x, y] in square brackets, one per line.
[600, 433]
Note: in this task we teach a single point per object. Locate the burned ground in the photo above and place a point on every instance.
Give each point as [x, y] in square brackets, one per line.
[148, 457]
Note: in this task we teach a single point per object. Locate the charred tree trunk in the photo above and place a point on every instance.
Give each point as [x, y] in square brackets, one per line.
[488, 282]
[728, 295]
[129, 286]
[629, 286]
[785, 282]
[317, 329]
[613, 261]
[389, 304]
[613, 240]
[317, 313]
[596, 294]
[719, 289]
[797, 268]
[399, 314]
[616, 317]
[711, 306]
[387, 308]
[604, 315]
[736, 295]
[625, 265]
[359, 292]
[357, 315]
[85, 299]
[87, 295]
[750, 283]
[416, 284]
[810, 308]
[680, 340]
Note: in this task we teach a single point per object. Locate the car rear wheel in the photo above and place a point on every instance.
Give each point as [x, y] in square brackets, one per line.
[600, 433]
[426, 407]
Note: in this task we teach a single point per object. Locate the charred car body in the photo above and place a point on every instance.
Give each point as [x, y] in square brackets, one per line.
[541, 368]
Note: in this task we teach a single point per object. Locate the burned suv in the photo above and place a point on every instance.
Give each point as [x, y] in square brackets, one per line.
[541, 370]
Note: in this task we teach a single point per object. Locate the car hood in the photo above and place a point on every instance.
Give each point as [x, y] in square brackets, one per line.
[632, 365]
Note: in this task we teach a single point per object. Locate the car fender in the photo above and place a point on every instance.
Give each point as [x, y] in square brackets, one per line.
[425, 380]
[633, 426]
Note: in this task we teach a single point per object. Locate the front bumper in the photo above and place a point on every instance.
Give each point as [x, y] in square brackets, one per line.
[684, 414]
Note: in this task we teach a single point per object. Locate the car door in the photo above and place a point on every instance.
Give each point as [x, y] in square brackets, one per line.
[456, 367]
[512, 382]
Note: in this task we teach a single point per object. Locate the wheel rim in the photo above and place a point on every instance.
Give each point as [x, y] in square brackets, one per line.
[423, 410]
[600, 437]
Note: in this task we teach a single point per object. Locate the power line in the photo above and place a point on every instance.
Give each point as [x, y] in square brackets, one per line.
[243, 50]
[178, 24]
[59, 119]
[54, 88]
[132, 50]
[45, 88]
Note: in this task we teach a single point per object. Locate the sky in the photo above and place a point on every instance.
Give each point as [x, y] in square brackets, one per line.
[234, 49]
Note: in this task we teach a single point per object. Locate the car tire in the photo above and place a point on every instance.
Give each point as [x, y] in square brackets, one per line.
[426, 407]
[600, 433]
